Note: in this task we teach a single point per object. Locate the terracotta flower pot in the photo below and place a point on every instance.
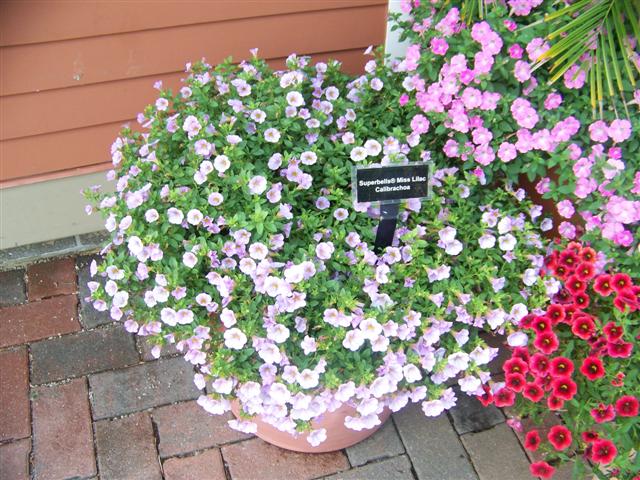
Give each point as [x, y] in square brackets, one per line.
[338, 436]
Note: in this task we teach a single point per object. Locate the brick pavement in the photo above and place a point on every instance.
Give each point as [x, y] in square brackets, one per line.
[82, 399]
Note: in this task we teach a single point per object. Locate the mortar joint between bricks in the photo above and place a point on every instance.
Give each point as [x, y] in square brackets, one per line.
[413, 470]
[156, 442]
[225, 466]
[32, 438]
[93, 426]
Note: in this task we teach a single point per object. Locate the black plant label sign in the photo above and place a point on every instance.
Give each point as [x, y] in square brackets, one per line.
[391, 183]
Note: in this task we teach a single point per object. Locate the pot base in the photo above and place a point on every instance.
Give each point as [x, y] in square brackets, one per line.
[338, 436]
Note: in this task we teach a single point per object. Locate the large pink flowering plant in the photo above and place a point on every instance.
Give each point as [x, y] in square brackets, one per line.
[475, 92]
[234, 236]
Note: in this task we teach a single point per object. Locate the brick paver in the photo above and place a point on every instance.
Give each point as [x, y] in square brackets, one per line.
[470, 416]
[63, 442]
[82, 353]
[384, 443]
[433, 445]
[89, 316]
[119, 392]
[144, 347]
[396, 468]
[14, 394]
[57, 277]
[255, 459]
[186, 427]
[126, 449]
[497, 453]
[14, 460]
[34, 321]
[12, 288]
[205, 465]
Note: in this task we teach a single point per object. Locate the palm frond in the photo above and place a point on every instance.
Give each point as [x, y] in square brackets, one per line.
[593, 34]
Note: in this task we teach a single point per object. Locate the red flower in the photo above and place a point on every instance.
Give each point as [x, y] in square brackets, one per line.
[627, 406]
[613, 331]
[563, 296]
[569, 312]
[626, 299]
[542, 470]
[533, 392]
[585, 271]
[588, 255]
[575, 247]
[619, 349]
[592, 368]
[522, 353]
[589, 436]
[568, 258]
[504, 398]
[525, 322]
[515, 381]
[603, 413]
[541, 324]
[581, 300]
[515, 365]
[544, 381]
[556, 313]
[560, 437]
[602, 285]
[564, 388]
[546, 342]
[539, 363]
[583, 326]
[555, 403]
[619, 380]
[620, 282]
[575, 285]
[561, 366]
[603, 451]
[532, 440]
[562, 271]
[486, 398]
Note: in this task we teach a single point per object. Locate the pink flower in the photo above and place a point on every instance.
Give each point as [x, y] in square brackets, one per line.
[522, 71]
[484, 155]
[439, 46]
[552, 101]
[515, 51]
[404, 99]
[598, 131]
[565, 208]
[412, 57]
[507, 152]
[482, 63]
[575, 77]
[420, 124]
[619, 130]
[567, 230]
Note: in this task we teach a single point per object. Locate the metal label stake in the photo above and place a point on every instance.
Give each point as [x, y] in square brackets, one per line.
[387, 226]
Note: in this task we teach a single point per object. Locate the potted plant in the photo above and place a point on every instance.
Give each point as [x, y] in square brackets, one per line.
[481, 83]
[235, 236]
[579, 359]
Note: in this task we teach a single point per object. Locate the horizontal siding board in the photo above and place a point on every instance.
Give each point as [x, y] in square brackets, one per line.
[34, 158]
[70, 108]
[44, 66]
[57, 20]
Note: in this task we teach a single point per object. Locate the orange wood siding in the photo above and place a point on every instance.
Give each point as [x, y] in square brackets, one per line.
[72, 72]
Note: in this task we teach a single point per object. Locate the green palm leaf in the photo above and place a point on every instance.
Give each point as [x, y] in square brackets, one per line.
[594, 34]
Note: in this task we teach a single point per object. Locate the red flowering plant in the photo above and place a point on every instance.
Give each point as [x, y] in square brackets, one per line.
[579, 359]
